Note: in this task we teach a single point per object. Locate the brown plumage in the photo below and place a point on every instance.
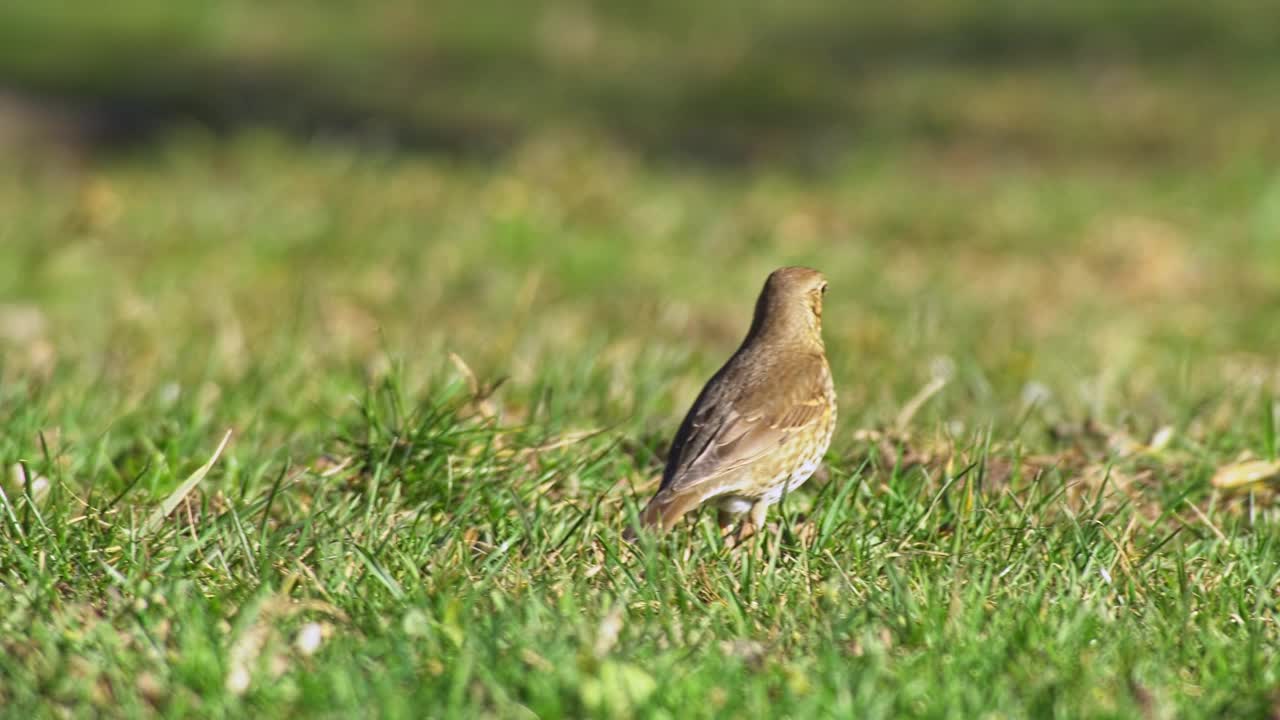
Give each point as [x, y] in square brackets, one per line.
[763, 422]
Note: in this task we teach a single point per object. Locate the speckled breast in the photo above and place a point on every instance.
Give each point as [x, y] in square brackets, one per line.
[807, 455]
[800, 458]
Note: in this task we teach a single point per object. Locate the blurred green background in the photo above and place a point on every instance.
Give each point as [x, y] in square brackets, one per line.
[804, 82]
[1034, 192]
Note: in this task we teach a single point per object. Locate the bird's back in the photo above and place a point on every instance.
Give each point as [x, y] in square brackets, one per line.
[751, 422]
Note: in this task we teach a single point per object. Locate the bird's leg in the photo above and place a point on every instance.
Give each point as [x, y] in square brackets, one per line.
[725, 519]
[754, 523]
[757, 515]
[728, 522]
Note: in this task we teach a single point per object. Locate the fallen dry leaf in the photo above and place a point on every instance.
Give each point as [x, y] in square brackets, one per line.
[1246, 473]
[607, 634]
[309, 638]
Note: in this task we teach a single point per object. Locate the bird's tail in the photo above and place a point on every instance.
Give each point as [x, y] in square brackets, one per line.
[663, 511]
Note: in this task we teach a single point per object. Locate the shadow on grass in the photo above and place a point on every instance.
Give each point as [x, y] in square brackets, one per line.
[710, 84]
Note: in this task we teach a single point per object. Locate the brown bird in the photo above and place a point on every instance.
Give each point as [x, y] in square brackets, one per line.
[760, 426]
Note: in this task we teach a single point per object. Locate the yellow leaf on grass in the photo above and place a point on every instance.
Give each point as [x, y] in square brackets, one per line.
[1246, 473]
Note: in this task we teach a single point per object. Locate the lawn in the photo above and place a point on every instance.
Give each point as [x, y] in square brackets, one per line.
[452, 333]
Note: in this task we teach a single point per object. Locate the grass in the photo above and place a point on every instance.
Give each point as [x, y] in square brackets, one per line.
[450, 380]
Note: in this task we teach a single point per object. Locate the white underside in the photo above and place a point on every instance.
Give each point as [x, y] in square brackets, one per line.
[734, 504]
[738, 504]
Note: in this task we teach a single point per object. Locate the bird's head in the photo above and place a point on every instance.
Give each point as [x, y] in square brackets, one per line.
[791, 305]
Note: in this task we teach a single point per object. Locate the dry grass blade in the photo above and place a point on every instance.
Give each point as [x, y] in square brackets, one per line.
[170, 503]
[473, 383]
[569, 438]
[913, 405]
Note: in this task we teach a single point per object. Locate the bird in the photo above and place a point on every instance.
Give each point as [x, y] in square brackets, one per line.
[763, 422]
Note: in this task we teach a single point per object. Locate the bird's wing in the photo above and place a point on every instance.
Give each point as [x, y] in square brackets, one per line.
[724, 434]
